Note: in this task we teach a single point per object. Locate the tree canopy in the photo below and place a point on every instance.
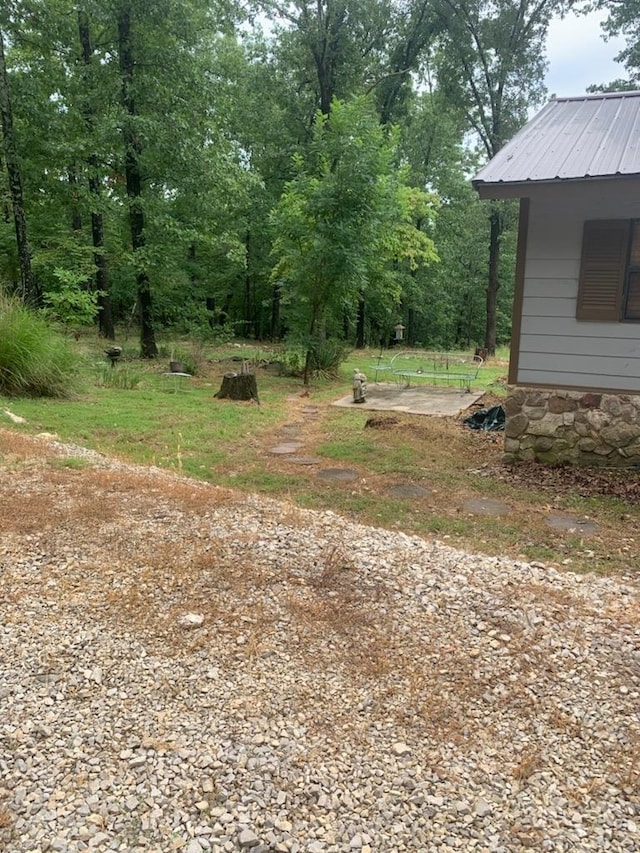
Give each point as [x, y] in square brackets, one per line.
[279, 169]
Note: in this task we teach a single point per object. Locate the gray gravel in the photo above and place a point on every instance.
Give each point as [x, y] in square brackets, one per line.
[184, 668]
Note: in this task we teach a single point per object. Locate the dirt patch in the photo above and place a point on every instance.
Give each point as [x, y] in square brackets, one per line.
[585, 482]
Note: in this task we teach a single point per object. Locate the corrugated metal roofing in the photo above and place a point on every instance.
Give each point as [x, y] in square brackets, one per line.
[593, 136]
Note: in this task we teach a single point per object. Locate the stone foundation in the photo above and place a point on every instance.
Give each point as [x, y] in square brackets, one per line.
[573, 427]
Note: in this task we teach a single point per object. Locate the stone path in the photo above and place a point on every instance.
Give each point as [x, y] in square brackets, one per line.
[486, 506]
[572, 524]
[293, 441]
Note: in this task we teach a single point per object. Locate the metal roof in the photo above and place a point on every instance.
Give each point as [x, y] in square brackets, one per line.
[593, 136]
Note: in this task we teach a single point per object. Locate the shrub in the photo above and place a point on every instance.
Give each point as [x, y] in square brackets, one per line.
[291, 363]
[325, 358]
[35, 360]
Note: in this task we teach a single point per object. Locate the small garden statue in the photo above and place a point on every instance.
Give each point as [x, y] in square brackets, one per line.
[359, 387]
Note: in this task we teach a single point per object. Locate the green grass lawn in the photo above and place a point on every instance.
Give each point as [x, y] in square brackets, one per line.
[192, 432]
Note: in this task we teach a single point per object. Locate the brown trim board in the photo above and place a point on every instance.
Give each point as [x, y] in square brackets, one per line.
[543, 386]
[518, 296]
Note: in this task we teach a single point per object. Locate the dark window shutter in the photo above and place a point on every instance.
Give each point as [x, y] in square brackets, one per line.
[605, 246]
[632, 307]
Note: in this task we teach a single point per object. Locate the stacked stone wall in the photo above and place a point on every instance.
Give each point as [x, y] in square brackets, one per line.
[572, 427]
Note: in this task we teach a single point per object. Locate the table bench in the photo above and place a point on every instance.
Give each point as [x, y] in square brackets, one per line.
[410, 366]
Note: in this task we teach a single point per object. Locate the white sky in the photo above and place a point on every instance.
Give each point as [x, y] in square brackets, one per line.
[578, 56]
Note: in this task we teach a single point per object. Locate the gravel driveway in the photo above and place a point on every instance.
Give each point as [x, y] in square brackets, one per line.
[187, 668]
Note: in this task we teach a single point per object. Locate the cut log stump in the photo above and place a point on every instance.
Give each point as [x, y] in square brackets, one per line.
[239, 386]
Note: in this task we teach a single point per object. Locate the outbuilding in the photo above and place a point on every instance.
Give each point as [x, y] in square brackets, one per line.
[574, 373]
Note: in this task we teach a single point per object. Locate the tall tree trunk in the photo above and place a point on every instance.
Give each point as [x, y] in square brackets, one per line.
[493, 285]
[421, 29]
[133, 177]
[29, 288]
[360, 324]
[249, 309]
[411, 326]
[315, 317]
[275, 312]
[6, 198]
[76, 218]
[105, 316]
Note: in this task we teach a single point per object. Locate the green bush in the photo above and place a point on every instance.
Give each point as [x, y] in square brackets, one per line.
[35, 360]
[325, 358]
[291, 362]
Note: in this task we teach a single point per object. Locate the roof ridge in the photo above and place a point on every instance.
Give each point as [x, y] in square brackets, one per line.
[594, 96]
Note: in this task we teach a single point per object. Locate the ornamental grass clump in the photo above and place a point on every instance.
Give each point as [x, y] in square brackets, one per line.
[35, 359]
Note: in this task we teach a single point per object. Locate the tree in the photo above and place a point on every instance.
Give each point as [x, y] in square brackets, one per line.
[443, 308]
[133, 177]
[345, 226]
[120, 117]
[330, 45]
[105, 316]
[624, 19]
[491, 65]
[28, 284]
[412, 33]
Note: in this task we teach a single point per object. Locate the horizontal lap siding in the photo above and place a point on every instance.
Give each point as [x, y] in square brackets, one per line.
[555, 348]
[579, 380]
[608, 365]
[550, 344]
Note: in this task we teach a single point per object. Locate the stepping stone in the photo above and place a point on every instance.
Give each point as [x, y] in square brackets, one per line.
[408, 490]
[310, 410]
[286, 447]
[290, 430]
[485, 506]
[572, 523]
[305, 460]
[341, 475]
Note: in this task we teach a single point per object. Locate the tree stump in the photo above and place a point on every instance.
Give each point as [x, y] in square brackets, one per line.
[239, 386]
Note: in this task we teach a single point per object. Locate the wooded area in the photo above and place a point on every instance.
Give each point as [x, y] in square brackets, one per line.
[276, 170]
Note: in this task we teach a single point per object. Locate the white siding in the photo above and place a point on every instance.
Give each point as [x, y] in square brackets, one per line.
[555, 348]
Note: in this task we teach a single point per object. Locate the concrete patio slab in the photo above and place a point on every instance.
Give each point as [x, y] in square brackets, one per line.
[421, 400]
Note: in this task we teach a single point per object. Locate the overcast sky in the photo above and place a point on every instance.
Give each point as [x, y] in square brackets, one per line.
[578, 56]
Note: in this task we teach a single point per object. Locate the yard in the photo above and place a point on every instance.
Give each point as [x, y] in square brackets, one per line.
[231, 444]
[187, 667]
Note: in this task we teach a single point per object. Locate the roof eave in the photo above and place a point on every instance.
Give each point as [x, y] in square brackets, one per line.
[522, 189]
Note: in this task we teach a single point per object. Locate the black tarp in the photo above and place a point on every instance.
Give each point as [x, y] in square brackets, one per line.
[490, 420]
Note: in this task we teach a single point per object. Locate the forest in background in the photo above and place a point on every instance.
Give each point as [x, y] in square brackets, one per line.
[276, 170]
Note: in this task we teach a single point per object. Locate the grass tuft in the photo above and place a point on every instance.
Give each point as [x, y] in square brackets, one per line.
[35, 360]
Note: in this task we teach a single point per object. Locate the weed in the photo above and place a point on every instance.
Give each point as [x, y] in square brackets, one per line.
[76, 463]
[122, 376]
[529, 763]
[333, 570]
